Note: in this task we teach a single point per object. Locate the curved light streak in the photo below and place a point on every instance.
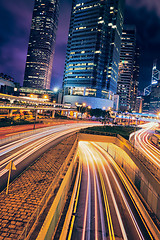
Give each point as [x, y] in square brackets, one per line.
[87, 206]
[113, 198]
[123, 196]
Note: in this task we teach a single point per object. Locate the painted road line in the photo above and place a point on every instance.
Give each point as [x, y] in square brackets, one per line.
[75, 207]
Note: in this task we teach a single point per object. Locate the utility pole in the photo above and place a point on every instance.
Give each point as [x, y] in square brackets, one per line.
[10, 167]
[35, 118]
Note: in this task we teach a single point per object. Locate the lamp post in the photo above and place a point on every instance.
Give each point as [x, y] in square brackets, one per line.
[80, 107]
[35, 116]
[88, 108]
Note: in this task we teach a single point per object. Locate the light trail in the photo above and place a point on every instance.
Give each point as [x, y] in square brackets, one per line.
[21, 149]
[96, 192]
[123, 196]
[100, 207]
[108, 213]
[87, 206]
[45, 132]
[96, 204]
[108, 183]
[112, 195]
[140, 140]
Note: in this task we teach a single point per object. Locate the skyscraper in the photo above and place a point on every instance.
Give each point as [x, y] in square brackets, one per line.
[93, 51]
[155, 98]
[135, 82]
[125, 85]
[41, 44]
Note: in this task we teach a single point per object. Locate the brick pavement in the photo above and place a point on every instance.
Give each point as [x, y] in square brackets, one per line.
[26, 192]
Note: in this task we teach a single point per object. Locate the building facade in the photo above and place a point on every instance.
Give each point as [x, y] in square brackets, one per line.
[7, 84]
[146, 103]
[127, 85]
[135, 82]
[93, 51]
[41, 44]
[155, 98]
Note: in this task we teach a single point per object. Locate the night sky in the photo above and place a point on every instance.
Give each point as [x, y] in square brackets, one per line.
[15, 22]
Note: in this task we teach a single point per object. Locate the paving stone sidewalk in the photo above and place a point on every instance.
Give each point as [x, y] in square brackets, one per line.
[26, 192]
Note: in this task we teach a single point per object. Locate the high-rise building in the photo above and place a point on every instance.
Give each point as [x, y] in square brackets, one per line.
[155, 98]
[154, 80]
[155, 73]
[135, 82]
[127, 85]
[93, 51]
[41, 44]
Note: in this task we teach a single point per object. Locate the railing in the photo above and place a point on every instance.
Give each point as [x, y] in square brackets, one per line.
[98, 133]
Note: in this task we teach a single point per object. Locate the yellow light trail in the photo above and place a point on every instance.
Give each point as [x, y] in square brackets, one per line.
[75, 207]
[86, 204]
[123, 196]
[108, 214]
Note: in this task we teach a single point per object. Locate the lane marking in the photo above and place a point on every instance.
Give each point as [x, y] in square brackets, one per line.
[75, 206]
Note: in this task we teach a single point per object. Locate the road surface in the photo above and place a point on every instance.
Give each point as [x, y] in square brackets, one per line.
[140, 140]
[105, 209]
[23, 151]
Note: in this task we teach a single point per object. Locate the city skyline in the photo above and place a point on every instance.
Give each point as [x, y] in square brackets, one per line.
[79, 142]
[13, 41]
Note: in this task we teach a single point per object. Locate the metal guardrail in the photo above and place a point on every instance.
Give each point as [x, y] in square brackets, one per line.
[98, 133]
[34, 217]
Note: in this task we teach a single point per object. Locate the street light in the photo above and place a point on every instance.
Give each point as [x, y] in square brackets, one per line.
[55, 89]
[80, 107]
[45, 96]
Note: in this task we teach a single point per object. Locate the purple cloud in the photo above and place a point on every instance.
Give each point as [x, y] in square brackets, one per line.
[149, 4]
[15, 21]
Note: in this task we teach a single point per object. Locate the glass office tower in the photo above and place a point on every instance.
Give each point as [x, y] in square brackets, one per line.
[127, 81]
[93, 51]
[41, 44]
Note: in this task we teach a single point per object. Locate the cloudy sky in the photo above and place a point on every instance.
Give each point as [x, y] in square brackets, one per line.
[15, 22]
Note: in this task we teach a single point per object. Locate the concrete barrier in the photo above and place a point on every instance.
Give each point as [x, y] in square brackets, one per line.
[70, 211]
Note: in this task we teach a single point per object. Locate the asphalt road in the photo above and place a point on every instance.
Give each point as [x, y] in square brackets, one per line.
[25, 150]
[105, 209]
[140, 140]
